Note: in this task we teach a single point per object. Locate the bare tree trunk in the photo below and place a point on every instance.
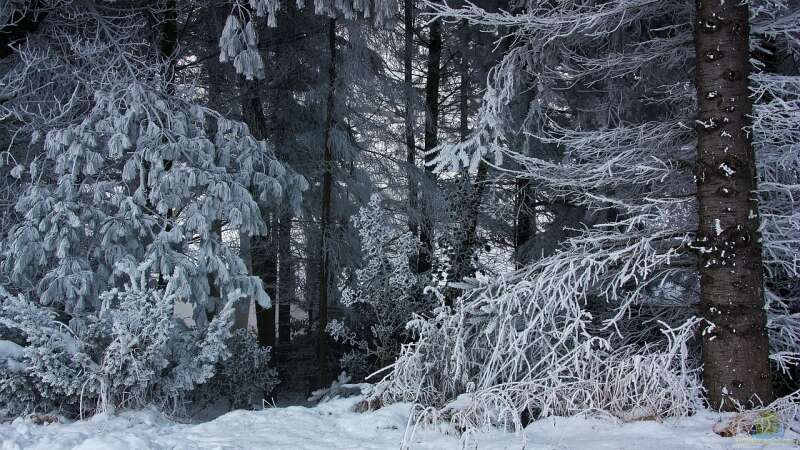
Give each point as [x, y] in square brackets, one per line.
[265, 266]
[431, 140]
[736, 349]
[286, 286]
[323, 346]
[411, 146]
[311, 272]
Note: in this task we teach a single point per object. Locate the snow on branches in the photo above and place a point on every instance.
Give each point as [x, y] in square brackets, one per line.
[606, 122]
[118, 222]
[383, 297]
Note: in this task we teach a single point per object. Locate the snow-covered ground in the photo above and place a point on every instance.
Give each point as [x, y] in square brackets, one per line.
[333, 426]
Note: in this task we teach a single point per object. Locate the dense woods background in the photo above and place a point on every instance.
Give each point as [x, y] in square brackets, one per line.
[544, 206]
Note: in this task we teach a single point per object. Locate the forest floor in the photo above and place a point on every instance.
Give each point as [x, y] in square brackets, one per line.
[333, 426]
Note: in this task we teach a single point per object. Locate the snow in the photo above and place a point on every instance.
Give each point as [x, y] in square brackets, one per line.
[727, 170]
[333, 426]
[11, 354]
[10, 349]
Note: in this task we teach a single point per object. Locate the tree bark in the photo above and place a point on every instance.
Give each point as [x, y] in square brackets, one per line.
[286, 286]
[411, 146]
[432, 83]
[736, 347]
[524, 221]
[265, 266]
[323, 346]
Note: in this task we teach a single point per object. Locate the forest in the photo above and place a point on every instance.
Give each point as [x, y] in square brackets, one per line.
[453, 219]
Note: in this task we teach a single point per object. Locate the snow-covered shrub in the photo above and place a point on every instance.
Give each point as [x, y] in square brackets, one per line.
[518, 349]
[384, 296]
[18, 393]
[245, 378]
[129, 352]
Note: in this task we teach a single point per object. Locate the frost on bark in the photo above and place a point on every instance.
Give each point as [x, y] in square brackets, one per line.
[735, 345]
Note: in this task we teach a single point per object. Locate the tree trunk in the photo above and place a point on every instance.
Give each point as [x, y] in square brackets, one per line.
[286, 286]
[241, 317]
[265, 266]
[311, 271]
[736, 348]
[431, 141]
[323, 346]
[524, 221]
[168, 41]
[411, 146]
[167, 45]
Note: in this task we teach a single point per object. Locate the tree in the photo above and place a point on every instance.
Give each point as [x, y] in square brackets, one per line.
[432, 82]
[119, 209]
[323, 351]
[730, 262]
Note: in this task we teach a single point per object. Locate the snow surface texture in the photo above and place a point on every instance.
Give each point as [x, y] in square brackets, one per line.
[333, 426]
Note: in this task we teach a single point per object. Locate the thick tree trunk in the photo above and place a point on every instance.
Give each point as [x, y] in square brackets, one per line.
[323, 346]
[411, 146]
[286, 284]
[431, 141]
[736, 348]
